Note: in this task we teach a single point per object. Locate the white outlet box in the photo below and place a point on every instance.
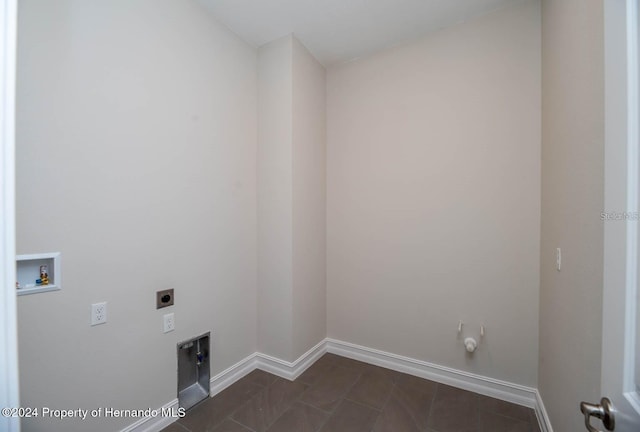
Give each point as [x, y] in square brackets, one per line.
[169, 323]
[98, 313]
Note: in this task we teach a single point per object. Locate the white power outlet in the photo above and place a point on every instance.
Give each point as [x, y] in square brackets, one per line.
[98, 313]
[169, 323]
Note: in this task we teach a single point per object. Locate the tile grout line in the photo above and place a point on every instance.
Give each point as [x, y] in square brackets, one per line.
[237, 422]
[384, 405]
[314, 407]
[329, 413]
[182, 426]
[346, 398]
[479, 422]
[289, 405]
[264, 389]
[531, 420]
[335, 364]
[232, 413]
[344, 395]
[364, 404]
[511, 418]
[286, 408]
[331, 365]
[433, 402]
[323, 424]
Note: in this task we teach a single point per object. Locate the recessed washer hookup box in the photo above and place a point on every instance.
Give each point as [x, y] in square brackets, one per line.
[193, 371]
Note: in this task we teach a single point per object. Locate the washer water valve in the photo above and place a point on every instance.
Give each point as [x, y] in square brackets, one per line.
[470, 344]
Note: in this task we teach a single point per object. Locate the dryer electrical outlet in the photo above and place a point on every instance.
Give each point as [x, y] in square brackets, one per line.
[164, 298]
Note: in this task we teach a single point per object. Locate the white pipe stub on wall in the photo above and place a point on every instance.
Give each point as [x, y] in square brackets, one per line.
[470, 344]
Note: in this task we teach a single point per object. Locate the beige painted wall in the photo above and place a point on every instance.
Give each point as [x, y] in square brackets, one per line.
[275, 195]
[572, 200]
[309, 201]
[433, 196]
[291, 200]
[136, 158]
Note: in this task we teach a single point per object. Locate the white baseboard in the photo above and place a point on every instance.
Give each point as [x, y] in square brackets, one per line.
[156, 423]
[494, 388]
[291, 370]
[510, 392]
[541, 414]
[232, 374]
[267, 363]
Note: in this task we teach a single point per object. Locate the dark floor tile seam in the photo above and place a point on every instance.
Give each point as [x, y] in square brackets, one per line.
[511, 418]
[360, 375]
[290, 406]
[359, 372]
[393, 387]
[477, 397]
[532, 416]
[384, 405]
[181, 425]
[362, 405]
[310, 386]
[366, 405]
[404, 404]
[327, 418]
[311, 406]
[530, 421]
[393, 379]
[232, 413]
[179, 422]
[237, 422]
[286, 409]
[433, 403]
[263, 389]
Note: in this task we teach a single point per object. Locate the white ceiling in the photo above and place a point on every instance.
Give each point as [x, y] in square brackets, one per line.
[340, 30]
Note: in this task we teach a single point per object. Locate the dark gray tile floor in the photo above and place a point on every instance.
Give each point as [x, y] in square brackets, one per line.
[337, 394]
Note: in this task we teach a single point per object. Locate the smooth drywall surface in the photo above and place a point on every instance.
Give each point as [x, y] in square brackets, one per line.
[291, 200]
[275, 194]
[309, 201]
[136, 158]
[433, 196]
[572, 200]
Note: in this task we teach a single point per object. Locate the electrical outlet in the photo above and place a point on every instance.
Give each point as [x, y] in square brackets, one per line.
[164, 298]
[98, 313]
[169, 323]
